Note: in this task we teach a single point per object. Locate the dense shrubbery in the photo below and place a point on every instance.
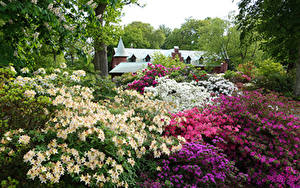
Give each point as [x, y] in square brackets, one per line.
[183, 95]
[148, 78]
[266, 147]
[197, 165]
[118, 139]
[197, 125]
[132, 137]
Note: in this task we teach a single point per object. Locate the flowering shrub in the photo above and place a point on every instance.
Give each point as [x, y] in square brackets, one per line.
[193, 124]
[218, 85]
[182, 95]
[20, 105]
[148, 79]
[266, 147]
[117, 139]
[197, 165]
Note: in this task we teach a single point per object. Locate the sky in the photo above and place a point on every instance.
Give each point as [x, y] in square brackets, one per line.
[173, 13]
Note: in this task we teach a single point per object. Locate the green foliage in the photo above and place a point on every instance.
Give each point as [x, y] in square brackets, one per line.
[272, 76]
[125, 79]
[143, 35]
[9, 183]
[230, 75]
[186, 37]
[19, 110]
[277, 23]
[168, 62]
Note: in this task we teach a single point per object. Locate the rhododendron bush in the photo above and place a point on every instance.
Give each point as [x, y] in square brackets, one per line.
[266, 147]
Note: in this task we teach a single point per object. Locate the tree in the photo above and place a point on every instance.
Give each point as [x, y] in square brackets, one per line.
[278, 24]
[143, 35]
[28, 25]
[106, 12]
[186, 36]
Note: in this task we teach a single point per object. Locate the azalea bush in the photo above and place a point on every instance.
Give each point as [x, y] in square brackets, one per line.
[197, 164]
[216, 84]
[266, 147]
[21, 105]
[120, 133]
[148, 78]
[200, 125]
[183, 95]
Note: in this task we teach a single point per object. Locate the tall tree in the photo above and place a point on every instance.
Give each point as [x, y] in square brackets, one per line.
[106, 12]
[278, 23]
[186, 36]
[142, 35]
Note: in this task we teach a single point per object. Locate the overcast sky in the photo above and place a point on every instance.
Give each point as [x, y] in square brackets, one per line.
[173, 13]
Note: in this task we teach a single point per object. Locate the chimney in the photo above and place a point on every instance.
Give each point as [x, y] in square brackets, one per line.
[177, 53]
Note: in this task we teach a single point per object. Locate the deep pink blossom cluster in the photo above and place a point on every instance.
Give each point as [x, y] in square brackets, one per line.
[194, 124]
[266, 147]
[148, 79]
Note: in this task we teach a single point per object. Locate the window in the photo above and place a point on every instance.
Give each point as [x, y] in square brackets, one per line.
[147, 58]
[188, 60]
[132, 59]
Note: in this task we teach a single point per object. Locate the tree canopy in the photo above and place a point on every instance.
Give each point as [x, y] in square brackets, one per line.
[278, 24]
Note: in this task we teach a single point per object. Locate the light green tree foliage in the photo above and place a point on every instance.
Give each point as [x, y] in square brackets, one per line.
[187, 36]
[143, 35]
[278, 24]
[29, 24]
[220, 39]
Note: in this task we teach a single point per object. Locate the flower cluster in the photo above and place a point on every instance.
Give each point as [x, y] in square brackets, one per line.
[194, 124]
[217, 85]
[182, 95]
[117, 140]
[148, 79]
[198, 165]
[266, 147]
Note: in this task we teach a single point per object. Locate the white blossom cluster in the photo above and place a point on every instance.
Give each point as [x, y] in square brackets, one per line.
[84, 120]
[182, 95]
[218, 85]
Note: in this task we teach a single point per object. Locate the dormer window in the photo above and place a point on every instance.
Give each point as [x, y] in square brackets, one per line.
[147, 58]
[188, 60]
[132, 59]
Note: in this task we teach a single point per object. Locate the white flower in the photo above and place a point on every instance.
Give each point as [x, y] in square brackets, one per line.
[40, 71]
[25, 70]
[29, 93]
[13, 69]
[79, 73]
[75, 78]
[63, 65]
[24, 139]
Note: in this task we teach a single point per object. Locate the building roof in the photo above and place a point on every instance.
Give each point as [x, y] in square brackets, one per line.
[140, 54]
[129, 67]
[120, 51]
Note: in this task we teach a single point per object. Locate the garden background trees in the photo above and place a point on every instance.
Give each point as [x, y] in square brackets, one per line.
[143, 35]
[278, 24]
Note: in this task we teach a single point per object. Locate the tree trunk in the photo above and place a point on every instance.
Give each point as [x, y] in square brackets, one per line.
[297, 85]
[100, 59]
